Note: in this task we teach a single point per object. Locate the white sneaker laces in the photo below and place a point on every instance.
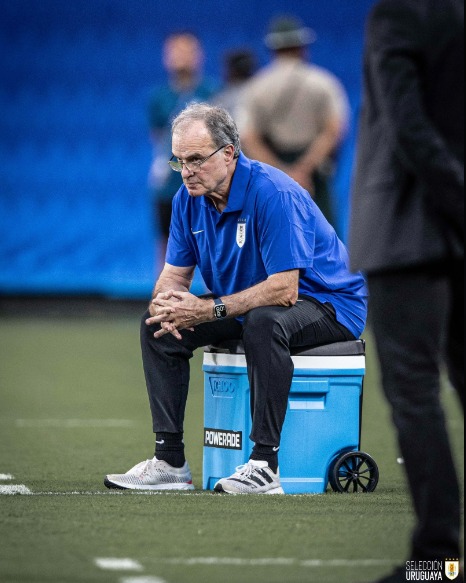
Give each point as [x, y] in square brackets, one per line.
[140, 469]
[245, 470]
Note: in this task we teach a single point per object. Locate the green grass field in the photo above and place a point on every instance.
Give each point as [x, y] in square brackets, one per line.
[73, 407]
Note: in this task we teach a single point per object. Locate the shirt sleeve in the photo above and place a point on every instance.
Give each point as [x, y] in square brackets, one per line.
[287, 232]
[179, 252]
[337, 100]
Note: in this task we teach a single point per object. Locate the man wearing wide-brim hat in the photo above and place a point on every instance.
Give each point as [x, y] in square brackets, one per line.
[294, 114]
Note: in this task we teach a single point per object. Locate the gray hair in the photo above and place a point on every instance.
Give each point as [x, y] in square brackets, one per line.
[218, 122]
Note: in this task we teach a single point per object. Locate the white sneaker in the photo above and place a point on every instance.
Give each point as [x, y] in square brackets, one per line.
[255, 477]
[152, 474]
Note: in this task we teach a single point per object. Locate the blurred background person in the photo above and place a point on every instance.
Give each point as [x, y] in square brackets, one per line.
[294, 114]
[183, 58]
[407, 234]
[239, 66]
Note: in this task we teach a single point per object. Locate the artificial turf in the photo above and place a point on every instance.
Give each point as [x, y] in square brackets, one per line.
[73, 407]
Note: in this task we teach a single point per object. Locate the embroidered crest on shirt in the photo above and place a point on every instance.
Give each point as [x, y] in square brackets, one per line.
[241, 233]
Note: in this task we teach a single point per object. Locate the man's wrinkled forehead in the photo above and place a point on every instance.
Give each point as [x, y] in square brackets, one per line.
[191, 135]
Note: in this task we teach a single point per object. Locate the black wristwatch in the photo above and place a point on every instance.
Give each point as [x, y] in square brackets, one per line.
[220, 310]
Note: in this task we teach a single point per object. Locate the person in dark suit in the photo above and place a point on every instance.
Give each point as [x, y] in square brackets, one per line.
[407, 235]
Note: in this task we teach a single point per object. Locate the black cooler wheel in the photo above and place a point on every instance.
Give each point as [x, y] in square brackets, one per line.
[354, 471]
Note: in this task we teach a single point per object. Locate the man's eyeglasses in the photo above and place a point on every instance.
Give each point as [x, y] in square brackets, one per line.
[194, 165]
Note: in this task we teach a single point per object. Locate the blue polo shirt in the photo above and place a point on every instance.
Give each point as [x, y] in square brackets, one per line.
[270, 225]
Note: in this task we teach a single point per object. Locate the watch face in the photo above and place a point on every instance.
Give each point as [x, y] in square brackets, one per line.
[220, 311]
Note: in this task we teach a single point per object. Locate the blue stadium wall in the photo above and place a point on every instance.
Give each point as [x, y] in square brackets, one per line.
[75, 212]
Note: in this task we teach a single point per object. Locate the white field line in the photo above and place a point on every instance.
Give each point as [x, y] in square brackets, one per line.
[92, 493]
[6, 477]
[142, 579]
[75, 423]
[139, 493]
[277, 561]
[118, 564]
[14, 489]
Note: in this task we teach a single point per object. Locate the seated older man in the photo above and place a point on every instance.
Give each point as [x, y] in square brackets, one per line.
[279, 279]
